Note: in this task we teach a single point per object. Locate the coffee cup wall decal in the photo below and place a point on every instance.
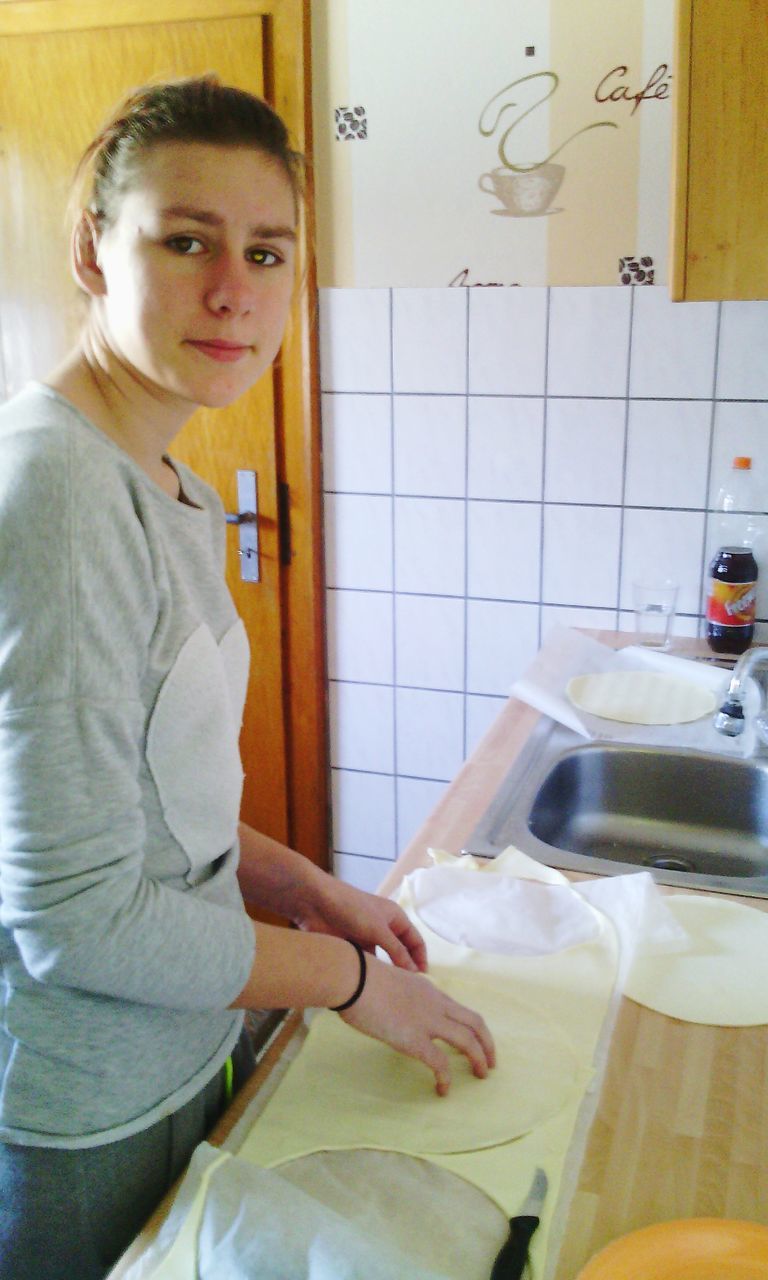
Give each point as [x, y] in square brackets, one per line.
[525, 189]
[523, 193]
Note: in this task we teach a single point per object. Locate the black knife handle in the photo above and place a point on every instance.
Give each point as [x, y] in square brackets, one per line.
[513, 1255]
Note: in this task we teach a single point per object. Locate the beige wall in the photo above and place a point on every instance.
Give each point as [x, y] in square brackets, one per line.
[450, 94]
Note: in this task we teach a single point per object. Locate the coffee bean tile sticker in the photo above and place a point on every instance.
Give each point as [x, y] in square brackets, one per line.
[351, 124]
[636, 270]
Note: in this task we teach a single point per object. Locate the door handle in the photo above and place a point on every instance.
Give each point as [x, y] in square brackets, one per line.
[246, 518]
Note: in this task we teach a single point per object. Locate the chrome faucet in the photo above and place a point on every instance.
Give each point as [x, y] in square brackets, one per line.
[730, 719]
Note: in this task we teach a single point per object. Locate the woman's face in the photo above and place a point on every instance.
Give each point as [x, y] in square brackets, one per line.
[197, 270]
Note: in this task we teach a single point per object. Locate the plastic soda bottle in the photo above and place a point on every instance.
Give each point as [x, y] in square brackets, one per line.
[733, 571]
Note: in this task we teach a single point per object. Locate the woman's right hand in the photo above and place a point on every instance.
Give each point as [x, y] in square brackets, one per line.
[410, 1013]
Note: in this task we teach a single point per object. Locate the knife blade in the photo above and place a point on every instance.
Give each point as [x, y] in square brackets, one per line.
[513, 1255]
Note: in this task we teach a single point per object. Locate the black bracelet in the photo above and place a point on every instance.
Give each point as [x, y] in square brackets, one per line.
[358, 991]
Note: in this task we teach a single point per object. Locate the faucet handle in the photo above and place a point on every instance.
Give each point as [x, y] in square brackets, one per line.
[730, 718]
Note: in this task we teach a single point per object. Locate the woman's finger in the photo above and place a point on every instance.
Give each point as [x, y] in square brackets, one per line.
[479, 1028]
[437, 1060]
[466, 1041]
[398, 952]
[409, 937]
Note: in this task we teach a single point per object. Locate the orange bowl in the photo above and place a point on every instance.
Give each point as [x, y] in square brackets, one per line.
[686, 1249]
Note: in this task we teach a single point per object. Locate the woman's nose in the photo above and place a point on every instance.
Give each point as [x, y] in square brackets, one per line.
[230, 287]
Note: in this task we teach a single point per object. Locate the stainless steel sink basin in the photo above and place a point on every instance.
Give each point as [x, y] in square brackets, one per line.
[691, 818]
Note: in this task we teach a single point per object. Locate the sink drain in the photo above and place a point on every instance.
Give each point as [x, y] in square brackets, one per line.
[669, 864]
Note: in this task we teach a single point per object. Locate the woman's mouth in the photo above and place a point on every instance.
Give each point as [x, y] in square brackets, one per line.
[218, 349]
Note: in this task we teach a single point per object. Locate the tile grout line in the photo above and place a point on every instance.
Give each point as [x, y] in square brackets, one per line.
[465, 673]
[625, 453]
[708, 482]
[511, 502]
[395, 806]
[542, 487]
[525, 395]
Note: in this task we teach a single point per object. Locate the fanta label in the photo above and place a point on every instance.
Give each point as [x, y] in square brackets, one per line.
[731, 604]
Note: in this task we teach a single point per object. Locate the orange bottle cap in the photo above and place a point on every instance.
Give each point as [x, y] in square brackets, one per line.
[742, 464]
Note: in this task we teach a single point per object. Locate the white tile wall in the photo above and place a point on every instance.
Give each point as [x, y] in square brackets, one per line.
[362, 727]
[357, 444]
[363, 807]
[503, 545]
[430, 437]
[363, 873]
[429, 641]
[671, 540]
[507, 341]
[345, 360]
[581, 556]
[358, 541]
[429, 340]
[585, 450]
[501, 640]
[498, 462]
[742, 369]
[416, 798]
[668, 447]
[673, 346]
[430, 733]
[360, 636]
[588, 342]
[429, 545]
[505, 445]
[740, 428]
[481, 711]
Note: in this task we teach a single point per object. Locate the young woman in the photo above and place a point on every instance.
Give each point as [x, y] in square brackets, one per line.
[126, 954]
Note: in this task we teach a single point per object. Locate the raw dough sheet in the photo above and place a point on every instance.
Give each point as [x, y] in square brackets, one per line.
[549, 1016]
[570, 990]
[720, 978]
[640, 697]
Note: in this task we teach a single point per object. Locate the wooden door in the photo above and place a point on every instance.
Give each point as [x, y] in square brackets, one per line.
[63, 65]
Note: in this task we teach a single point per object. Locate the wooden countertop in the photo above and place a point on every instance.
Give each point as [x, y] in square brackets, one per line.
[681, 1127]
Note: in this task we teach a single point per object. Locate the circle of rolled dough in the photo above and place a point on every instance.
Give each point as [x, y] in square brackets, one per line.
[640, 697]
[374, 1089]
[720, 978]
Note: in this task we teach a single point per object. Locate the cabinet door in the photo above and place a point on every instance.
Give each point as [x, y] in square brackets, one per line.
[720, 168]
[62, 67]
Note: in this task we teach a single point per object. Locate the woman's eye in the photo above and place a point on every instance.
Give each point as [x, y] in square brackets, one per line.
[186, 245]
[264, 257]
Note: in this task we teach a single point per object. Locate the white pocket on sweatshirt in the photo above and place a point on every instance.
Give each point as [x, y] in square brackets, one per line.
[192, 744]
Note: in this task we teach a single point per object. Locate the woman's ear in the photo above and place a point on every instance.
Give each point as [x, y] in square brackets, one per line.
[84, 254]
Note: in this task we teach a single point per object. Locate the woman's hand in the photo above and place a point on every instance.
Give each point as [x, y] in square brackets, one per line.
[280, 879]
[409, 1013]
[364, 918]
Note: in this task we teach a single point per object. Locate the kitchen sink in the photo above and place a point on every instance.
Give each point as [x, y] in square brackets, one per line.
[692, 818]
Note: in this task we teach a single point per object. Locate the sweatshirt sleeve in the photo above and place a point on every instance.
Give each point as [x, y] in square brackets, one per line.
[77, 610]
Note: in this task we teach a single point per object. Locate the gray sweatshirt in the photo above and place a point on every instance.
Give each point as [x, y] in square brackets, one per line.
[123, 667]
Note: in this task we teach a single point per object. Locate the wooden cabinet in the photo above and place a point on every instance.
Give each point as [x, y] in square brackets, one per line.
[720, 166]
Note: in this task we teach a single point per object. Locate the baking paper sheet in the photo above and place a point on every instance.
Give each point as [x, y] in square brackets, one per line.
[568, 653]
[252, 1222]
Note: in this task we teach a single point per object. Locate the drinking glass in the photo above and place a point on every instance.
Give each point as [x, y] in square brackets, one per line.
[654, 604]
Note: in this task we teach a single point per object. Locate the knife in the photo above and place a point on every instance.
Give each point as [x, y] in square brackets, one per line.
[513, 1255]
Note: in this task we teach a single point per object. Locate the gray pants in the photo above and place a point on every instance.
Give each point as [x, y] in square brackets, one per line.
[69, 1214]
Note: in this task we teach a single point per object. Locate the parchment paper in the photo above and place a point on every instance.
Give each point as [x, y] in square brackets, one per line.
[568, 653]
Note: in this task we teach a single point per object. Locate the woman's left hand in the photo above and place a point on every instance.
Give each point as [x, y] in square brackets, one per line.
[370, 921]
